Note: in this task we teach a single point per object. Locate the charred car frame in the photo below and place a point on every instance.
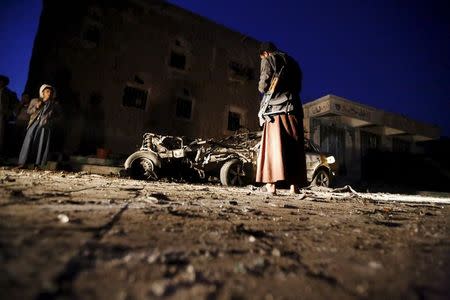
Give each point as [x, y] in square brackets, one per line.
[232, 159]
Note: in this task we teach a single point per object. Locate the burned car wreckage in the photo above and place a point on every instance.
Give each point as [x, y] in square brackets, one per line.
[232, 159]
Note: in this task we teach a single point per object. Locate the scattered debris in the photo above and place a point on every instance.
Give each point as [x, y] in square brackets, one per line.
[132, 188]
[345, 189]
[7, 178]
[192, 241]
[255, 233]
[17, 193]
[290, 206]
[375, 265]
[276, 252]
[159, 287]
[153, 200]
[153, 257]
[63, 218]
[301, 196]
[257, 266]
[156, 198]
[388, 223]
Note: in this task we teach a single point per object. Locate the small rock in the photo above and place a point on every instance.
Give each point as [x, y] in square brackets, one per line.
[301, 196]
[252, 239]
[128, 258]
[190, 269]
[63, 218]
[159, 288]
[276, 252]
[9, 179]
[361, 289]
[17, 193]
[150, 199]
[375, 265]
[190, 273]
[154, 200]
[153, 257]
[290, 206]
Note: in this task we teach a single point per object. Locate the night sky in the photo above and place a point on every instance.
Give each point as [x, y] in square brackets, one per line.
[393, 55]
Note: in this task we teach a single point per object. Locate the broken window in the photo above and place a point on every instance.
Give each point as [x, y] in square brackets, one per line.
[240, 72]
[134, 97]
[184, 108]
[234, 121]
[179, 55]
[177, 60]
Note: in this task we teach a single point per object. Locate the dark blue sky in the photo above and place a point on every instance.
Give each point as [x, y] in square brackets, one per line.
[393, 55]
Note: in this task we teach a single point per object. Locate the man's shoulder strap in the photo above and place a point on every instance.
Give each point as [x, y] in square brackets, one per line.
[273, 59]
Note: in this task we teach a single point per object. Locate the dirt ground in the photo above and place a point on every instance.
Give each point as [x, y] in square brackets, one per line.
[82, 236]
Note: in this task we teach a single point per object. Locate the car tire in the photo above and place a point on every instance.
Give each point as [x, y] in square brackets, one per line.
[322, 179]
[232, 173]
[143, 166]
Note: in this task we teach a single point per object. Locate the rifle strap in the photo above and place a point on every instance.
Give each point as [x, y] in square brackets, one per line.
[272, 61]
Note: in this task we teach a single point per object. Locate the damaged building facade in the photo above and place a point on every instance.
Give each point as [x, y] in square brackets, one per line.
[350, 131]
[122, 68]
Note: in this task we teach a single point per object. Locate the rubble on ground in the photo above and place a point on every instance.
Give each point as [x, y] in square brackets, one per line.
[78, 235]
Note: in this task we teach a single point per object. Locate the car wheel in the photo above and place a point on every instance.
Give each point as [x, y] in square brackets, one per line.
[149, 168]
[143, 168]
[232, 173]
[322, 178]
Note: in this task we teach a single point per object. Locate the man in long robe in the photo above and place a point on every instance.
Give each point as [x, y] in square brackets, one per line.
[43, 113]
[282, 154]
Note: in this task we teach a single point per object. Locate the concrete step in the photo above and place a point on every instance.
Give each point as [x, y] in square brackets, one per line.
[96, 169]
[95, 161]
[95, 165]
[79, 164]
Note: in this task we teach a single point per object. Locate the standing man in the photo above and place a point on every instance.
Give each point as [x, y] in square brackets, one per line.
[282, 153]
[8, 102]
[43, 111]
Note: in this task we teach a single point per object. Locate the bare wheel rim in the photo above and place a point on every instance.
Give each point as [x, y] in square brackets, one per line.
[236, 174]
[148, 167]
[322, 179]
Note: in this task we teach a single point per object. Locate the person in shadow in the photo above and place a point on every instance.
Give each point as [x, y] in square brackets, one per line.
[43, 112]
[8, 102]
